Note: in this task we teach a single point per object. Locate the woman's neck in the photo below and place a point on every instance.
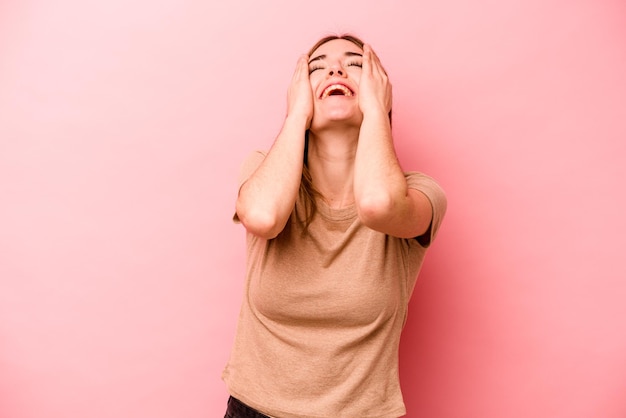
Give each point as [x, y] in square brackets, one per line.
[331, 164]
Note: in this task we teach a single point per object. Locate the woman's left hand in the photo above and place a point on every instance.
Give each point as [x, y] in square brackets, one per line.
[374, 87]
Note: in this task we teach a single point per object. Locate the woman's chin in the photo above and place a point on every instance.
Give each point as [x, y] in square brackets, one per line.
[337, 118]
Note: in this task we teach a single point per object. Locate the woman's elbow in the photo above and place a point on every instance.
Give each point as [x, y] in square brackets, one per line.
[373, 209]
[259, 222]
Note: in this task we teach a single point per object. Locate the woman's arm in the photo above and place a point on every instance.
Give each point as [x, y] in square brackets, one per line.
[384, 202]
[267, 198]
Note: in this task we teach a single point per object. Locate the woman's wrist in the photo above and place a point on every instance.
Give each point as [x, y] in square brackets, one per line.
[298, 120]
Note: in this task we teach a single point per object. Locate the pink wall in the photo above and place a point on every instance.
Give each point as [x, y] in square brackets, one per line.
[122, 126]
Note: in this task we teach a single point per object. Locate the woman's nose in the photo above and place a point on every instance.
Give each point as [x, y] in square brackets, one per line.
[336, 71]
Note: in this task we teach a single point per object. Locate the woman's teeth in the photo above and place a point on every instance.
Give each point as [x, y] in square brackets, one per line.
[334, 88]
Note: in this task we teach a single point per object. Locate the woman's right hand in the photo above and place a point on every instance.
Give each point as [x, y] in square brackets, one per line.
[299, 94]
[266, 200]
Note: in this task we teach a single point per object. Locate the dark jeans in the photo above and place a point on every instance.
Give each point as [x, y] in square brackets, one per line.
[238, 409]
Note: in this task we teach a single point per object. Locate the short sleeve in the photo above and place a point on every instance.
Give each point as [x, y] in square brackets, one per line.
[437, 198]
[249, 166]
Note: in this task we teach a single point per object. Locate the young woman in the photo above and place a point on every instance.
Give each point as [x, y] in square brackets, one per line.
[336, 235]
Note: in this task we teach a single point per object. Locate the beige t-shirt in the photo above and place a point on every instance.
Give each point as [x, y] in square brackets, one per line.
[322, 314]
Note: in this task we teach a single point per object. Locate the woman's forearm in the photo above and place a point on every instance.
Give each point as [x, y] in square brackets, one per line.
[267, 198]
[379, 183]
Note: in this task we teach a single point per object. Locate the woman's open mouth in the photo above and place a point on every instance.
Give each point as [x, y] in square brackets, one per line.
[336, 90]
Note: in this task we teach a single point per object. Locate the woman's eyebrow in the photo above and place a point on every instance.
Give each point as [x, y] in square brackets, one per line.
[319, 57]
[347, 54]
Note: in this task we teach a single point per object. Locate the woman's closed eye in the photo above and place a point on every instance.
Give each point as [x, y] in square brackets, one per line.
[348, 64]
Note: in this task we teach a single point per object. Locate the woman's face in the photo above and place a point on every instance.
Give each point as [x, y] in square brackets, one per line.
[335, 72]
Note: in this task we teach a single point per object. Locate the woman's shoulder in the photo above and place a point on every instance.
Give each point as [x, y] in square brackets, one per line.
[423, 182]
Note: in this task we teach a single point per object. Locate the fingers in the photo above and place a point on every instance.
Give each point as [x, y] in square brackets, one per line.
[299, 93]
[374, 72]
[373, 62]
[302, 68]
[366, 66]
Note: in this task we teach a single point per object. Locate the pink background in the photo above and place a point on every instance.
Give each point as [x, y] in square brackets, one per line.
[122, 127]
